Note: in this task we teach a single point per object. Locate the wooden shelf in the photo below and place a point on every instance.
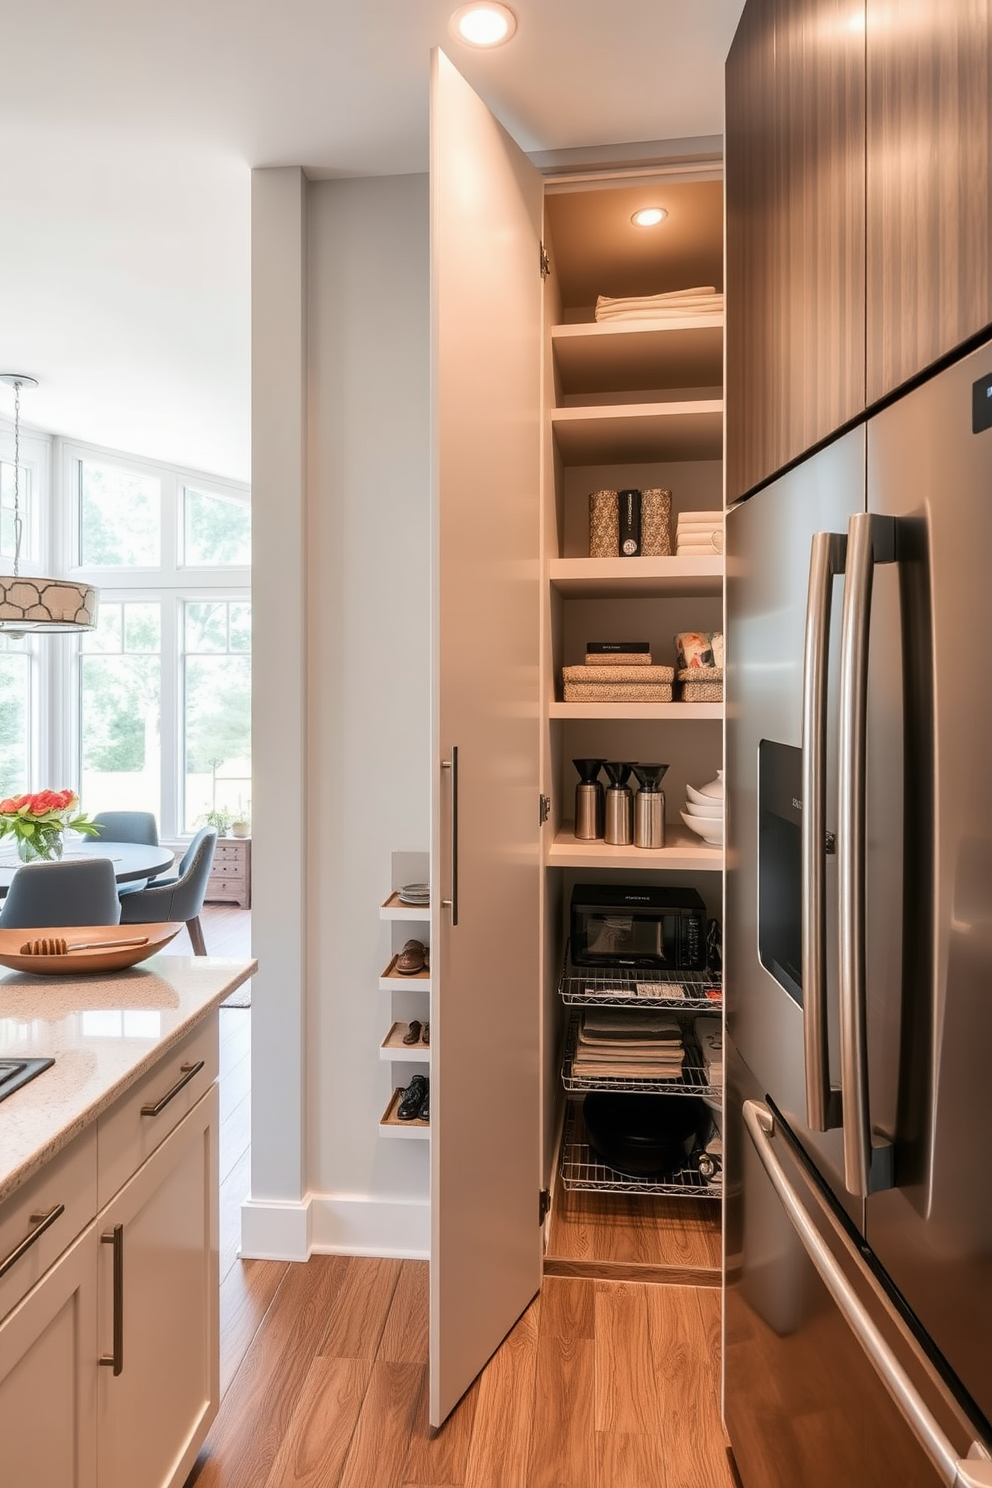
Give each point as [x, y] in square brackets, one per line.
[684, 852]
[391, 1126]
[636, 578]
[617, 356]
[391, 979]
[631, 433]
[650, 712]
[393, 908]
[393, 1047]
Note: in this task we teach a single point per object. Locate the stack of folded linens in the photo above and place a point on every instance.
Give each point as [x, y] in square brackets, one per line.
[702, 300]
[699, 534]
[629, 1044]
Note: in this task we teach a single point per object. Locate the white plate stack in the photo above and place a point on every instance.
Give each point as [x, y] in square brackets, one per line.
[703, 812]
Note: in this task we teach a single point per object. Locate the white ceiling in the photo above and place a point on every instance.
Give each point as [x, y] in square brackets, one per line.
[129, 129]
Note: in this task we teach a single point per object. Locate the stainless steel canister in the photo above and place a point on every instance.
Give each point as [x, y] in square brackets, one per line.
[589, 810]
[649, 818]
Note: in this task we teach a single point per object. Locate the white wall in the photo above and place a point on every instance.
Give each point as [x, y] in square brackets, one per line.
[365, 539]
[368, 679]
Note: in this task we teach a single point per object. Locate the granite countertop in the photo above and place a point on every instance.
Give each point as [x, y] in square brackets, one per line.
[103, 1033]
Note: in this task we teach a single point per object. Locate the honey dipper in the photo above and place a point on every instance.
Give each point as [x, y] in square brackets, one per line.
[54, 945]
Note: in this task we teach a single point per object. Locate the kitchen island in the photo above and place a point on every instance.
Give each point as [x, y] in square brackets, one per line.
[109, 1223]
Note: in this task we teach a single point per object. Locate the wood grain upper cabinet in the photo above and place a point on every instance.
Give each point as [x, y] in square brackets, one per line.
[486, 217]
[795, 311]
[929, 202]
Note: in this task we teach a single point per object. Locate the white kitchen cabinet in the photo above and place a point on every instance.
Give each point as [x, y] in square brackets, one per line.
[109, 1329]
[48, 1375]
[536, 406]
[157, 1399]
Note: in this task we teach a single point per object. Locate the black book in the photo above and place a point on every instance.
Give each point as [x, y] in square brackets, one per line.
[630, 523]
[609, 648]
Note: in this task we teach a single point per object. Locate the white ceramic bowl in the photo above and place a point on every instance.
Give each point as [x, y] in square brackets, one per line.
[702, 807]
[711, 791]
[704, 826]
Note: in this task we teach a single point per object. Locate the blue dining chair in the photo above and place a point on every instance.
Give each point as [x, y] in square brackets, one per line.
[179, 898]
[80, 892]
[128, 826]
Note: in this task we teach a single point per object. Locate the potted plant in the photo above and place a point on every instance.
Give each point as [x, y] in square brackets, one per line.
[219, 818]
[241, 825]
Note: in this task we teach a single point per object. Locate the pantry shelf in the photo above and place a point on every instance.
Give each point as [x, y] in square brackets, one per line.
[581, 1168]
[684, 852]
[632, 432]
[637, 578]
[613, 356]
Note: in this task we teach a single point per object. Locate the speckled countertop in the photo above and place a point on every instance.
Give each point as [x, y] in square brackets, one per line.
[103, 1032]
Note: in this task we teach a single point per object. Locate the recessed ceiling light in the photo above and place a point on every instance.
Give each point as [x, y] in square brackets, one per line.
[649, 217]
[483, 24]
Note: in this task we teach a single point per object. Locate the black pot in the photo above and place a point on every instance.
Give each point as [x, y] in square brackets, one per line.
[645, 1136]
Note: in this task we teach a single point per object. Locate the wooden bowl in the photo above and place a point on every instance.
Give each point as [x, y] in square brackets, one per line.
[85, 963]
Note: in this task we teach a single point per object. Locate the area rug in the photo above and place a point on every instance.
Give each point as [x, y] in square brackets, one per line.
[240, 997]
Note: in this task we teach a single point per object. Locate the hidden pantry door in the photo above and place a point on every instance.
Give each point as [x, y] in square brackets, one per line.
[486, 206]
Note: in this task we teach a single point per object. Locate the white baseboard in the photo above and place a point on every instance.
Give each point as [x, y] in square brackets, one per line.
[357, 1224]
[273, 1230]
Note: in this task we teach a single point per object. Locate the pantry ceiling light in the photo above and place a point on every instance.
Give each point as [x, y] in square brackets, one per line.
[483, 24]
[649, 217]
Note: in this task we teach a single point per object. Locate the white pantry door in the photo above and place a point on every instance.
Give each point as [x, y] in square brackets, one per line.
[486, 212]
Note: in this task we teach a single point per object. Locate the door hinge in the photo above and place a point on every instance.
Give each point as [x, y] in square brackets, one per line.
[545, 809]
[544, 1205]
[545, 262]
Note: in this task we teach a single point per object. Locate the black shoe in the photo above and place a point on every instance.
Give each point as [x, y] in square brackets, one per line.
[425, 1110]
[415, 1096]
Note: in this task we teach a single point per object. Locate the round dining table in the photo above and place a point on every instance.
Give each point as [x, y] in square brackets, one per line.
[131, 860]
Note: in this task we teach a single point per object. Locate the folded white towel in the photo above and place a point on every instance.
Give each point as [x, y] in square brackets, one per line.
[701, 301]
[689, 518]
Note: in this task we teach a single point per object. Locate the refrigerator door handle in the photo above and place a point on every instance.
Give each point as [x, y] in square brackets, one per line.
[975, 1471]
[868, 1165]
[828, 553]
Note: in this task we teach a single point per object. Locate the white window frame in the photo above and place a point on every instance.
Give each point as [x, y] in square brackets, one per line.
[171, 584]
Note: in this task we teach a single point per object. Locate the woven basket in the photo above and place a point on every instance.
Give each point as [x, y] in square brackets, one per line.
[604, 525]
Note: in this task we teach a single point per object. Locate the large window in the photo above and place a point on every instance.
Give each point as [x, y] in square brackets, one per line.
[120, 707]
[151, 710]
[217, 708]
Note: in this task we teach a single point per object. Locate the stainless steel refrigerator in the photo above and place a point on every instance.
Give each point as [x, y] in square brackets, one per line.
[858, 954]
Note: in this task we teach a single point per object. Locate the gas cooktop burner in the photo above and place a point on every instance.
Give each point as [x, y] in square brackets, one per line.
[17, 1072]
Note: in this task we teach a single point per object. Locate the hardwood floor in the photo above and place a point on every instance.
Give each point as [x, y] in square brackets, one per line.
[601, 1384]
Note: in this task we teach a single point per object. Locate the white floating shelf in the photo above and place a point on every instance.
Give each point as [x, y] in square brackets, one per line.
[632, 433]
[684, 852]
[390, 979]
[391, 1126]
[650, 712]
[637, 578]
[393, 1048]
[393, 908]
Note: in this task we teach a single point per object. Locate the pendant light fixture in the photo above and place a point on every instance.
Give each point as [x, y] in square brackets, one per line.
[31, 603]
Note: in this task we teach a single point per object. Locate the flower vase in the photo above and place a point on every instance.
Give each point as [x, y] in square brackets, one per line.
[44, 846]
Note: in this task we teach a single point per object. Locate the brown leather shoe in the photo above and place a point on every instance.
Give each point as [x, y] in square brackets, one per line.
[411, 959]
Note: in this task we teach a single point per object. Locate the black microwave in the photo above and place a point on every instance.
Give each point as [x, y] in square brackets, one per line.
[624, 925]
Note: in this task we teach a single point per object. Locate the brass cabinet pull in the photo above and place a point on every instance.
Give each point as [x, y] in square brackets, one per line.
[116, 1239]
[188, 1072]
[41, 1222]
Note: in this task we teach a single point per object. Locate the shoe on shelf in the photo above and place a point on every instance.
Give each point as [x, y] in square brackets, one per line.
[411, 959]
[412, 1034]
[415, 1097]
[425, 1109]
[426, 1035]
